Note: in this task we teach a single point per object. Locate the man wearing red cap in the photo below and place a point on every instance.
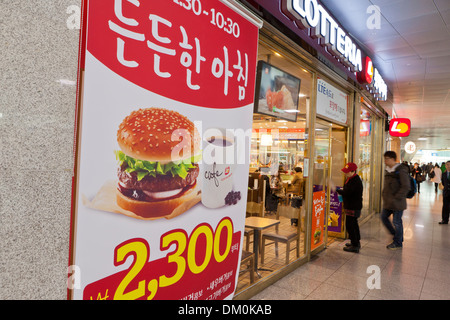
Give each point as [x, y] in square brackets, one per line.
[352, 199]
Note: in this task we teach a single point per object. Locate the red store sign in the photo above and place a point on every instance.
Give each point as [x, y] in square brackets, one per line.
[400, 127]
[168, 49]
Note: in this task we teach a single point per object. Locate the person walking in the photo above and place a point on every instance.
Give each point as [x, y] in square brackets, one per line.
[436, 176]
[352, 202]
[396, 187]
[417, 175]
[446, 194]
[430, 167]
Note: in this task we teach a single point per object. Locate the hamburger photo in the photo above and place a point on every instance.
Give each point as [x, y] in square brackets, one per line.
[158, 163]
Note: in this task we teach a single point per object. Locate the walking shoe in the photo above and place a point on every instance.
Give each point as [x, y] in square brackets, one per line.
[352, 249]
[443, 222]
[393, 246]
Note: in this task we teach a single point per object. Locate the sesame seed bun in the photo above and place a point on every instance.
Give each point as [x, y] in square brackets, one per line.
[156, 134]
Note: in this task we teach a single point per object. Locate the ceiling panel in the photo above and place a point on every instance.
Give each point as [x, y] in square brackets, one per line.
[390, 43]
[424, 37]
[407, 9]
[433, 49]
[442, 5]
[423, 23]
[403, 52]
[443, 77]
[446, 16]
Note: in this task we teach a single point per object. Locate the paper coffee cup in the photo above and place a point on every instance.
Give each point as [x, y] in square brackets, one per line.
[217, 168]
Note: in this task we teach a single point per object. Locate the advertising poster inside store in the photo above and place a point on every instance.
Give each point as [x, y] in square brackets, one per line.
[318, 216]
[165, 105]
[335, 220]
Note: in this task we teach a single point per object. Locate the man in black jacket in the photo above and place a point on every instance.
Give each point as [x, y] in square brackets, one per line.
[446, 194]
[352, 199]
[396, 187]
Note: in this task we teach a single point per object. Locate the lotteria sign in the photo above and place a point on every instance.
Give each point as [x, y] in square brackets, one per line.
[400, 127]
[311, 15]
[371, 77]
[379, 86]
[366, 76]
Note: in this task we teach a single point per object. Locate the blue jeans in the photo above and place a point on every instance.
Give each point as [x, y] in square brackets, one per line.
[396, 227]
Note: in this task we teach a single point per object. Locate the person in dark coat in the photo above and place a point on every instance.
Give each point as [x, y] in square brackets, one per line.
[446, 194]
[417, 175]
[396, 187]
[352, 200]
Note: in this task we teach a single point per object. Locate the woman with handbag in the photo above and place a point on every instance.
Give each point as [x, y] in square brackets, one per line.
[436, 176]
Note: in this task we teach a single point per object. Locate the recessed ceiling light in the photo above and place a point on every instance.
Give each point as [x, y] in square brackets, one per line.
[422, 138]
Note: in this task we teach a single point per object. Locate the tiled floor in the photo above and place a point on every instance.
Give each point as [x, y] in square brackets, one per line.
[419, 271]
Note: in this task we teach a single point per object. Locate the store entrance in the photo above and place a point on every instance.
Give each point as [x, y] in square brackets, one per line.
[330, 156]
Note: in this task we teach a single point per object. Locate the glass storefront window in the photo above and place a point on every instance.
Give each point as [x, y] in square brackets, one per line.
[276, 183]
[365, 158]
[329, 158]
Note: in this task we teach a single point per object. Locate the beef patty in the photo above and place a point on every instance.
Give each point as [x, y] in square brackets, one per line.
[156, 184]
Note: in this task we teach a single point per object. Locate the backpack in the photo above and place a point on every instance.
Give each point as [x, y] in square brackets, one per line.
[413, 185]
[413, 188]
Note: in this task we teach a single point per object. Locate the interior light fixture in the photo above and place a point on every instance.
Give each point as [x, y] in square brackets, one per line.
[422, 139]
[266, 140]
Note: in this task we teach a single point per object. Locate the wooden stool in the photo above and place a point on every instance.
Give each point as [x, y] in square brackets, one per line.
[284, 237]
[248, 256]
[247, 233]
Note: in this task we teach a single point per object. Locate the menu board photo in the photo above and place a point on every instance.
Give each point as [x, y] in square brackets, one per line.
[160, 177]
[277, 92]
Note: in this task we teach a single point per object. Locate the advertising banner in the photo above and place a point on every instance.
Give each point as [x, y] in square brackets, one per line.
[165, 104]
[335, 220]
[318, 216]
